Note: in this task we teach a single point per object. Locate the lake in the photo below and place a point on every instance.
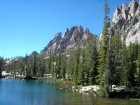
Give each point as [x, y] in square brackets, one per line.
[25, 92]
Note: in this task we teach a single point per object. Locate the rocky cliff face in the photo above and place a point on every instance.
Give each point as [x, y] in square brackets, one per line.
[68, 42]
[127, 19]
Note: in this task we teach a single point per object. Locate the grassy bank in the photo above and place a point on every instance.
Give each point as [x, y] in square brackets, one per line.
[135, 99]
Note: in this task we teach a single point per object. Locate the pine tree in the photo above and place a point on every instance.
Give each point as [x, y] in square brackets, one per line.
[34, 63]
[25, 64]
[104, 59]
[82, 68]
[91, 59]
[124, 62]
[70, 65]
[58, 65]
[131, 71]
[76, 66]
[1, 66]
[51, 67]
[138, 66]
[63, 66]
[49, 63]
[116, 50]
[41, 65]
[29, 67]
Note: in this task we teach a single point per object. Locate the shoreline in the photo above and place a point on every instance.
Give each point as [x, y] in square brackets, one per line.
[93, 89]
[68, 85]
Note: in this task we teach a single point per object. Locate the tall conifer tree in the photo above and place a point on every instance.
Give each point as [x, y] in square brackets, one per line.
[103, 52]
[76, 66]
[116, 50]
[1, 65]
[91, 59]
[138, 65]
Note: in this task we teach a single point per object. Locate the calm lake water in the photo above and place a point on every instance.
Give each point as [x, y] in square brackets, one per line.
[23, 92]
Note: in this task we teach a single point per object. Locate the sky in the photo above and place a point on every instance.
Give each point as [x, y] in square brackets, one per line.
[29, 25]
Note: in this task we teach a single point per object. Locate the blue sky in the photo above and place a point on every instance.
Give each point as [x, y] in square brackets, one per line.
[29, 25]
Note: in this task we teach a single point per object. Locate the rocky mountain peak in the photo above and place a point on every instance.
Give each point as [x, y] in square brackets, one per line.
[69, 41]
[124, 7]
[133, 0]
[77, 34]
[127, 20]
[117, 12]
[66, 32]
[116, 15]
[126, 12]
[133, 7]
[138, 10]
[80, 29]
[53, 42]
[86, 33]
[58, 35]
[73, 28]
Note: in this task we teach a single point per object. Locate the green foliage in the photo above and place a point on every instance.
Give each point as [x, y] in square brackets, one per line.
[76, 67]
[106, 12]
[116, 50]
[132, 54]
[138, 66]
[82, 68]
[1, 65]
[70, 65]
[91, 59]
[58, 65]
[63, 66]
[100, 92]
[138, 94]
[124, 63]
[104, 50]
[34, 63]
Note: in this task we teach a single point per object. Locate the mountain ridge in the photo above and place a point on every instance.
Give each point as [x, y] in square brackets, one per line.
[126, 18]
[69, 40]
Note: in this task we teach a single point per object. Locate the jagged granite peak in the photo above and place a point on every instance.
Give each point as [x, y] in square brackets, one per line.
[53, 42]
[133, 0]
[77, 34]
[69, 33]
[138, 10]
[124, 7]
[57, 37]
[86, 33]
[117, 12]
[126, 12]
[80, 29]
[116, 15]
[133, 7]
[66, 32]
[68, 42]
[127, 20]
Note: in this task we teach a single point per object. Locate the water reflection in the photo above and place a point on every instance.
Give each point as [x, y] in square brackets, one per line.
[21, 92]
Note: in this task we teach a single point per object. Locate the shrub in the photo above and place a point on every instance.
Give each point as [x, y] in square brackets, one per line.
[138, 94]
